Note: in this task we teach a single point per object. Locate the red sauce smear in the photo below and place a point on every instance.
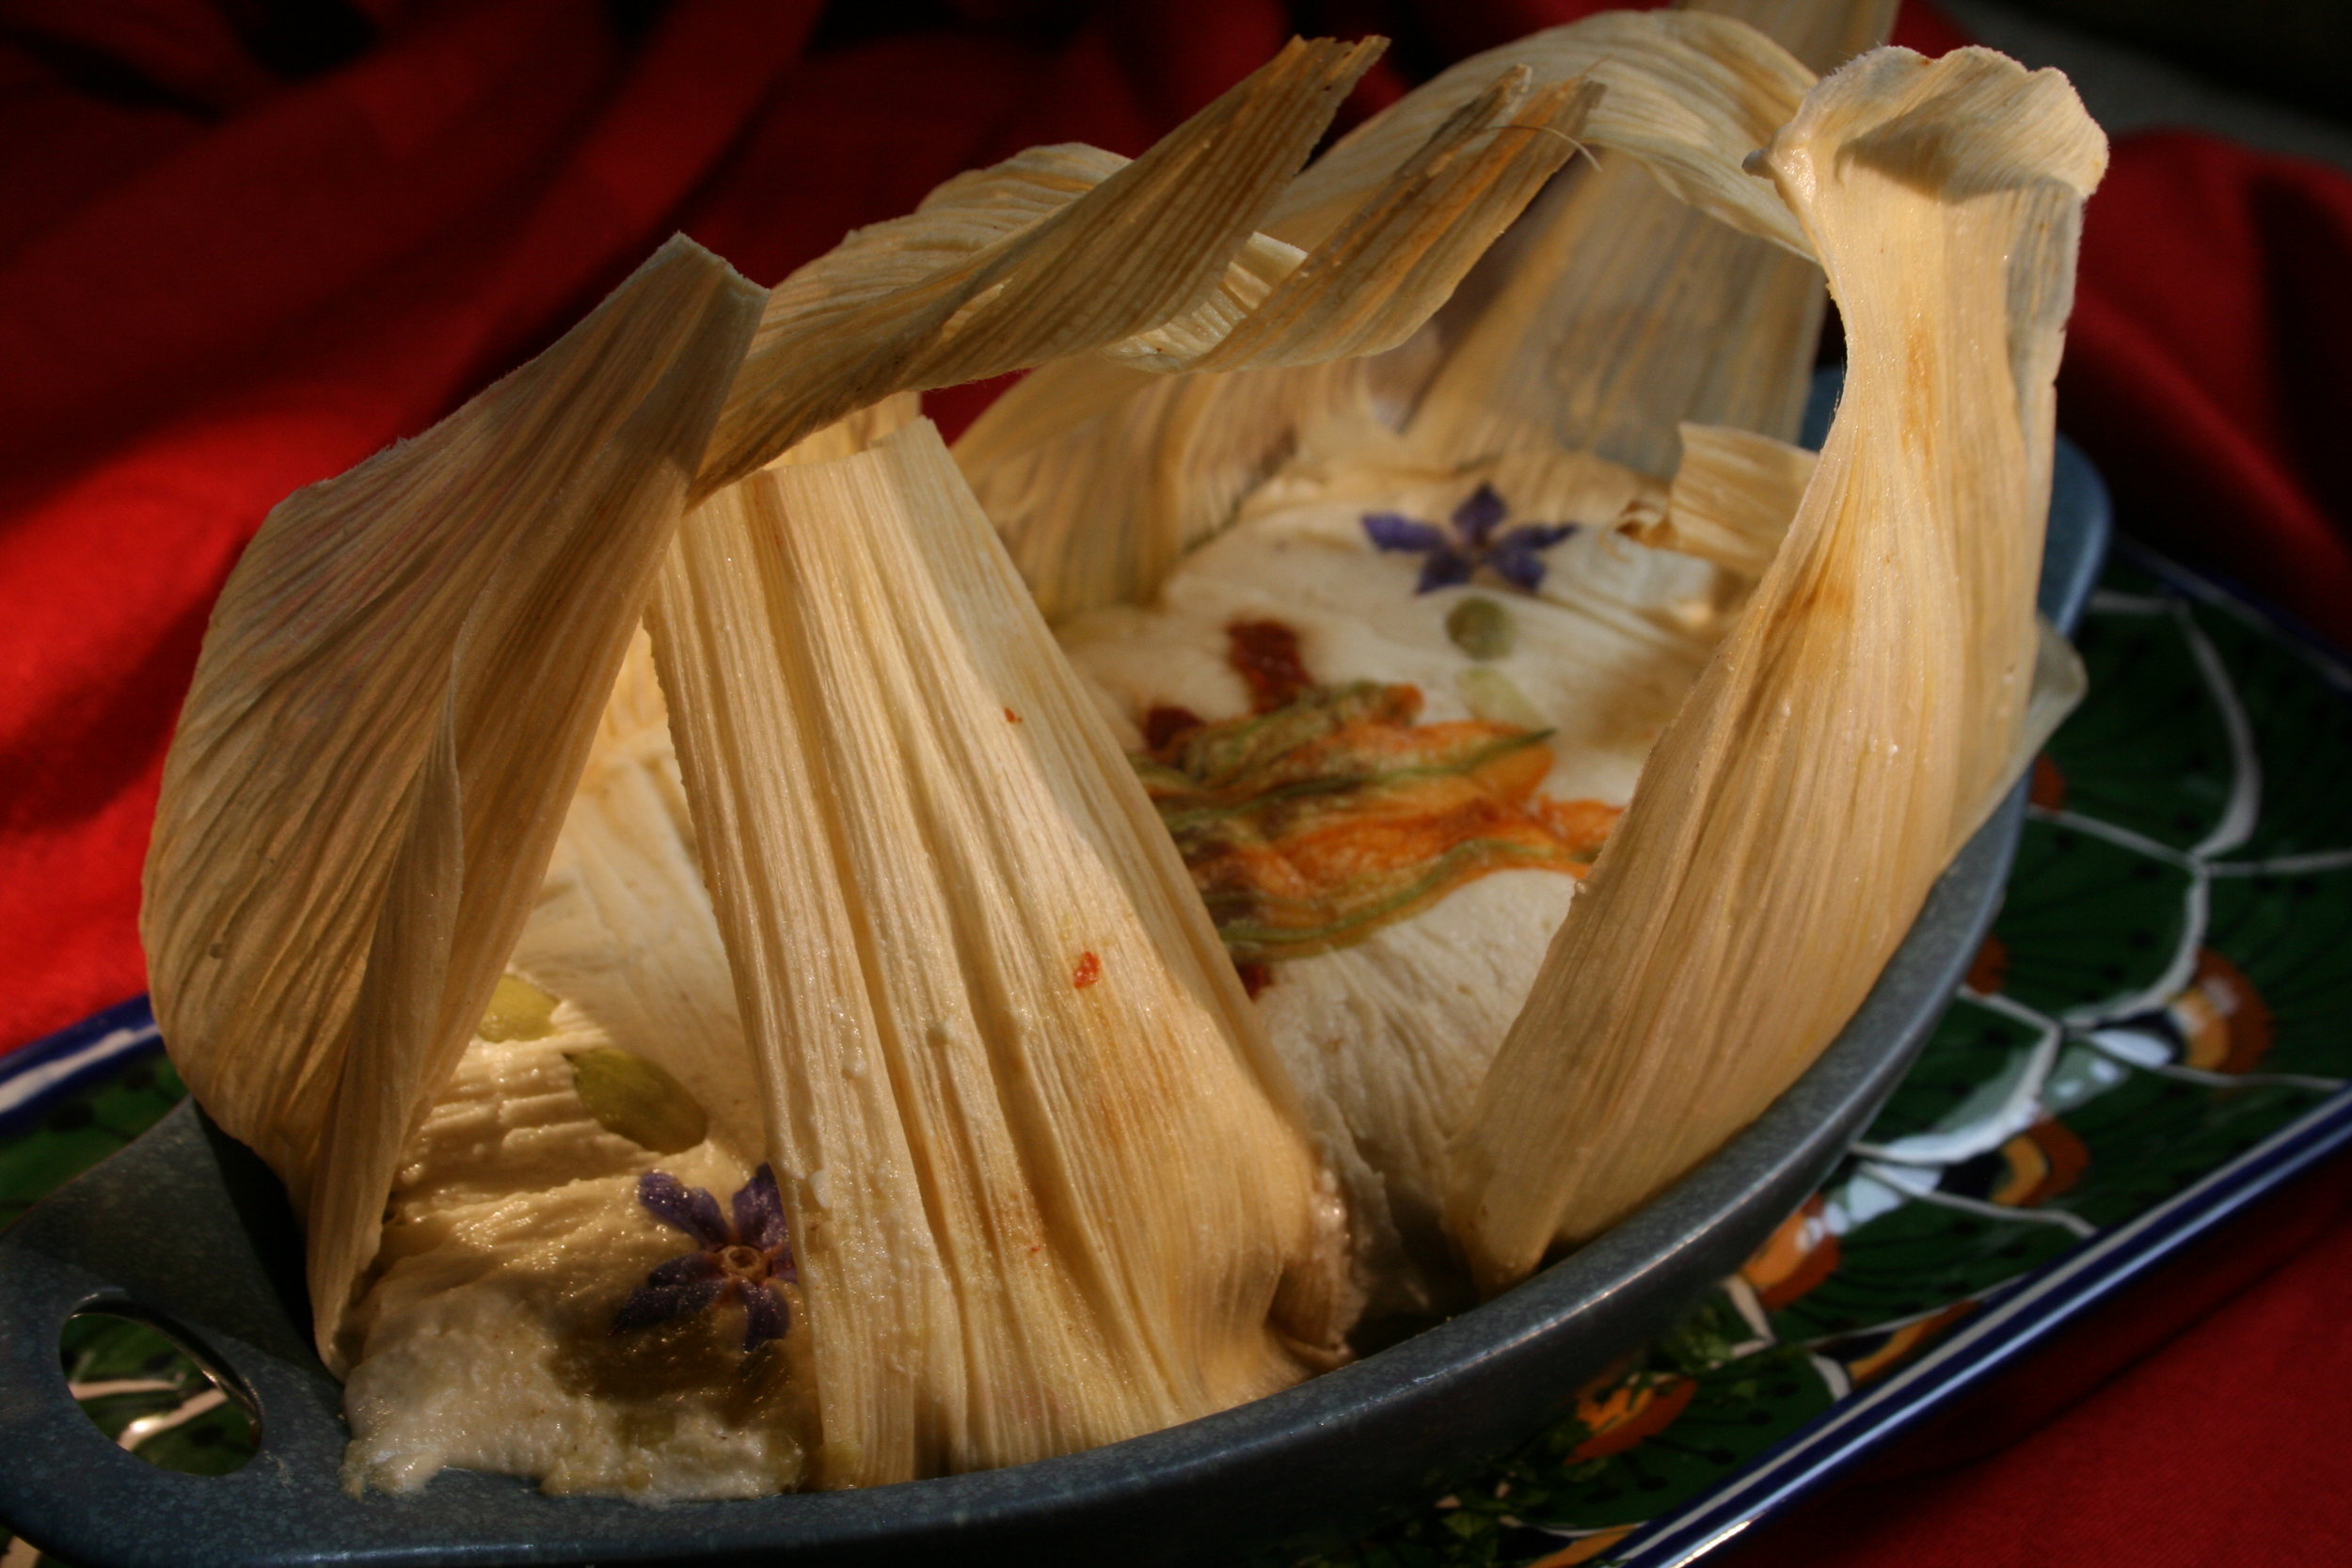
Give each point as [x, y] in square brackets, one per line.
[1089, 971]
[1265, 653]
[1011, 718]
[1165, 723]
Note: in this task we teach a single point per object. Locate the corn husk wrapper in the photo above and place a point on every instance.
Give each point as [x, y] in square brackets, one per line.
[1101, 476]
[1859, 721]
[978, 982]
[395, 698]
[1625, 310]
[359, 808]
[353, 822]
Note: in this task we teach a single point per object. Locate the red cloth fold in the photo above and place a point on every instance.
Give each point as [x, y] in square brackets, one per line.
[2209, 363]
[221, 278]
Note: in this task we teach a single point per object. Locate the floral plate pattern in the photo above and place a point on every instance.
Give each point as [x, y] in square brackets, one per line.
[2158, 1030]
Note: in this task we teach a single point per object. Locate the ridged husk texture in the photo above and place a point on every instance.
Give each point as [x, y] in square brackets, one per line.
[1861, 718]
[403, 676]
[977, 983]
[1049, 1186]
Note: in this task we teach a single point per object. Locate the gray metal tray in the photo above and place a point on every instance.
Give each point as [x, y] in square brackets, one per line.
[186, 1227]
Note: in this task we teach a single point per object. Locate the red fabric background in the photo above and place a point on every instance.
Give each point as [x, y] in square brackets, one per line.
[222, 276]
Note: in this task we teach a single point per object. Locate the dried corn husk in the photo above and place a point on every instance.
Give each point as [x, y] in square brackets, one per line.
[1019, 1237]
[1859, 721]
[991, 1013]
[1684, 95]
[1056, 252]
[1624, 311]
[1733, 496]
[355, 819]
[395, 698]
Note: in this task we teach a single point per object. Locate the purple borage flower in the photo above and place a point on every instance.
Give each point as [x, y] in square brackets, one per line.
[746, 1259]
[1513, 554]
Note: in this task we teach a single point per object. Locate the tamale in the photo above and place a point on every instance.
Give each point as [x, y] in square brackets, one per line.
[354, 816]
[353, 820]
[862, 914]
[974, 977]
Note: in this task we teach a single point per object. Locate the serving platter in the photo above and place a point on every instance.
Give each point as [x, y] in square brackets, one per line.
[185, 1229]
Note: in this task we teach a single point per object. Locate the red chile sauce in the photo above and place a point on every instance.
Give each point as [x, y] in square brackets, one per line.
[1265, 653]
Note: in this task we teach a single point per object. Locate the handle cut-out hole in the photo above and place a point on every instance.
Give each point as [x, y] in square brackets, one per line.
[149, 1393]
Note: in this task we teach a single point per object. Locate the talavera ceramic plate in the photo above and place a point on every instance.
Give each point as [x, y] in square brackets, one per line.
[184, 1228]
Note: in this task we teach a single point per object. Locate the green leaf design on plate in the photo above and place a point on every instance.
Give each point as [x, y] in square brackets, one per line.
[2150, 1135]
[2288, 935]
[1912, 1260]
[2089, 923]
[1728, 1415]
[1704, 1410]
[2148, 749]
[84, 1129]
[1970, 1067]
[147, 1378]
[2302, 729]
